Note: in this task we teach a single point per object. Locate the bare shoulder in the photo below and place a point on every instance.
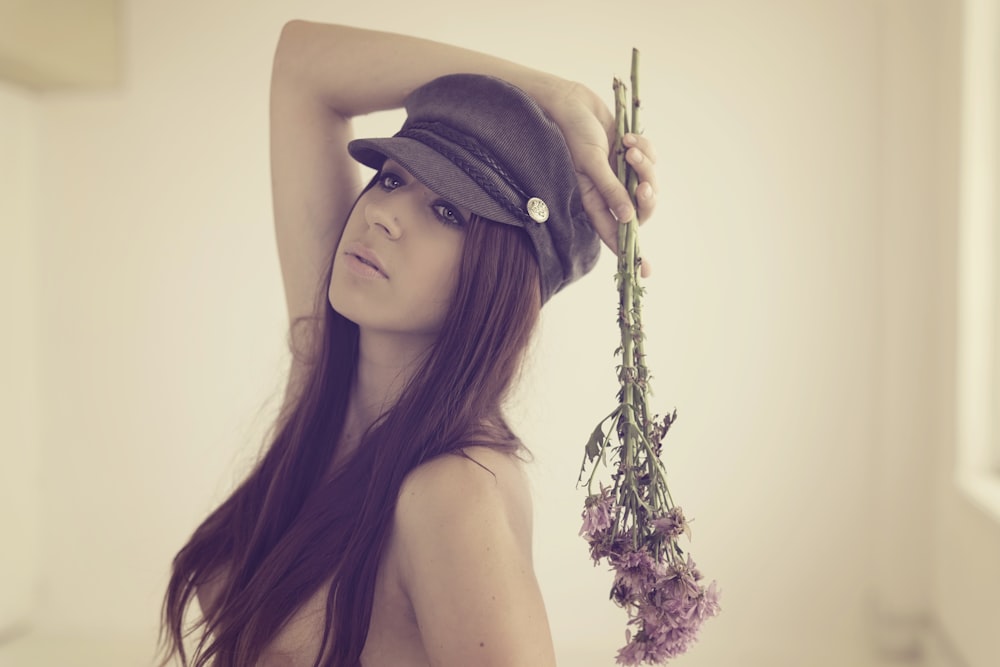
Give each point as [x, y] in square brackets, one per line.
[463, 526]
[484, 484]
[476, 467]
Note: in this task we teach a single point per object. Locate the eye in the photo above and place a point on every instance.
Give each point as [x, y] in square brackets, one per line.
[448, 213]
[389, 181]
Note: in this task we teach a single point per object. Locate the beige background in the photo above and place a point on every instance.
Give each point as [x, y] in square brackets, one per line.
[803, 319]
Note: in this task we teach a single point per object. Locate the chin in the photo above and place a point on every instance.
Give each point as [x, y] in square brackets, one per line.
[387, 314]
[343, 305]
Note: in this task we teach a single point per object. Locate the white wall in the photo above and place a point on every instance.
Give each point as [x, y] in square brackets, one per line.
[19, 404]
[912, 111]
[763, 319]
[965, 586]
[770, 313]
[47, 44]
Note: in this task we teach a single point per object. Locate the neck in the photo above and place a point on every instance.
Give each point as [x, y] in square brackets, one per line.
[386, 363]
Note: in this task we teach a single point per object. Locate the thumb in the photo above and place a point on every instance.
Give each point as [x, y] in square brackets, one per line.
[600, 217]
[612, 192]
[618, 201]
[605, 199]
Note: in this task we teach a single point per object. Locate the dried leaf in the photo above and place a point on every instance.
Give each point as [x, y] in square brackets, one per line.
[594, 444]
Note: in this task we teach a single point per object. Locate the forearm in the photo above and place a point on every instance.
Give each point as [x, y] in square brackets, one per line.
[355, 71]
[324, 75]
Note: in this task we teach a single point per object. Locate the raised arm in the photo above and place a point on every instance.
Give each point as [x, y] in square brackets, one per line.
[324, 75]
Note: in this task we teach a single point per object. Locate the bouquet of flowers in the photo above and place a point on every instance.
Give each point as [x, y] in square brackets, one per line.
[634, 523]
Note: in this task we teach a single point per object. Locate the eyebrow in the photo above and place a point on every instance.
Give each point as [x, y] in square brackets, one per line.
[396, 166]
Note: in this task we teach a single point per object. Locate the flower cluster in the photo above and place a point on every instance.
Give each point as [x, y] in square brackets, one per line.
[634, 524]
[666, 601]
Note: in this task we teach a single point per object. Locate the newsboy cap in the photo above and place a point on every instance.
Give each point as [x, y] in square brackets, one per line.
[486, 145]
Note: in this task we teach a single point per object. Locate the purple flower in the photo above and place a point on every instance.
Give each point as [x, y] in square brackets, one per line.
[708, 602]
[635, 575]
[655, 645]
[673, 523]
[633, 653]
[597, 514]
[669, 614]
[680, 580]
[668, 642]
[599, 549]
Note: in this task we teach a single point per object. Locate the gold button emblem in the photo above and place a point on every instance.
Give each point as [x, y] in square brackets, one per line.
[538, 210]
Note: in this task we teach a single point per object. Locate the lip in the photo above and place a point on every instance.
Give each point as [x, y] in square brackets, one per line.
[365, 258]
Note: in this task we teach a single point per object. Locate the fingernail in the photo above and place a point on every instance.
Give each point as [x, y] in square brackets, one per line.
[625, 214]
[629, 139]
[636, 156]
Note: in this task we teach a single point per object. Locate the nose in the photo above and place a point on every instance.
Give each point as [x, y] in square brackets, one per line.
[383, 216]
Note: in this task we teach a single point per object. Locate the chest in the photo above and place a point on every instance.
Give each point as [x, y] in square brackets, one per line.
[393, 636]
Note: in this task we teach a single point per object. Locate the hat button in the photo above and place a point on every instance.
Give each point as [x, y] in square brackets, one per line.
[538, 210]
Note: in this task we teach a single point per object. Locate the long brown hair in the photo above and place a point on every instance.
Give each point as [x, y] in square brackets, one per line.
[286, 529]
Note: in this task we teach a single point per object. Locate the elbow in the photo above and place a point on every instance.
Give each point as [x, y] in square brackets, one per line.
[292, 32]
[309, 62]
[293, 36]
[304, 38]
[291, 73]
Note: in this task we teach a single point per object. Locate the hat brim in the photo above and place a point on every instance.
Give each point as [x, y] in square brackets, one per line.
[434, 170]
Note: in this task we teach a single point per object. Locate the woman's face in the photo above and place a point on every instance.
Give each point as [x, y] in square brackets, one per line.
[397, 264]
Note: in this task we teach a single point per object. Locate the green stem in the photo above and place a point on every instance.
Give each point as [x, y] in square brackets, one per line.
[636, 128]
[640, 482]
[632, 184]
[620, 164]
[626, 268]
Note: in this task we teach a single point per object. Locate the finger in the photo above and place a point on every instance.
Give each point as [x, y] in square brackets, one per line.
[642, 143]
[642, 166]
[616, 199]
[645, 268]
[597, 210]
[611, 190]
[647, 201]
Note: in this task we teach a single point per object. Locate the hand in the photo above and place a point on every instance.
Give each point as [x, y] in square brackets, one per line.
[589, 129]
[642, 158]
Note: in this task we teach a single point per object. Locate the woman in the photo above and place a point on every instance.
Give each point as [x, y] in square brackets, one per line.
[389, 521]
